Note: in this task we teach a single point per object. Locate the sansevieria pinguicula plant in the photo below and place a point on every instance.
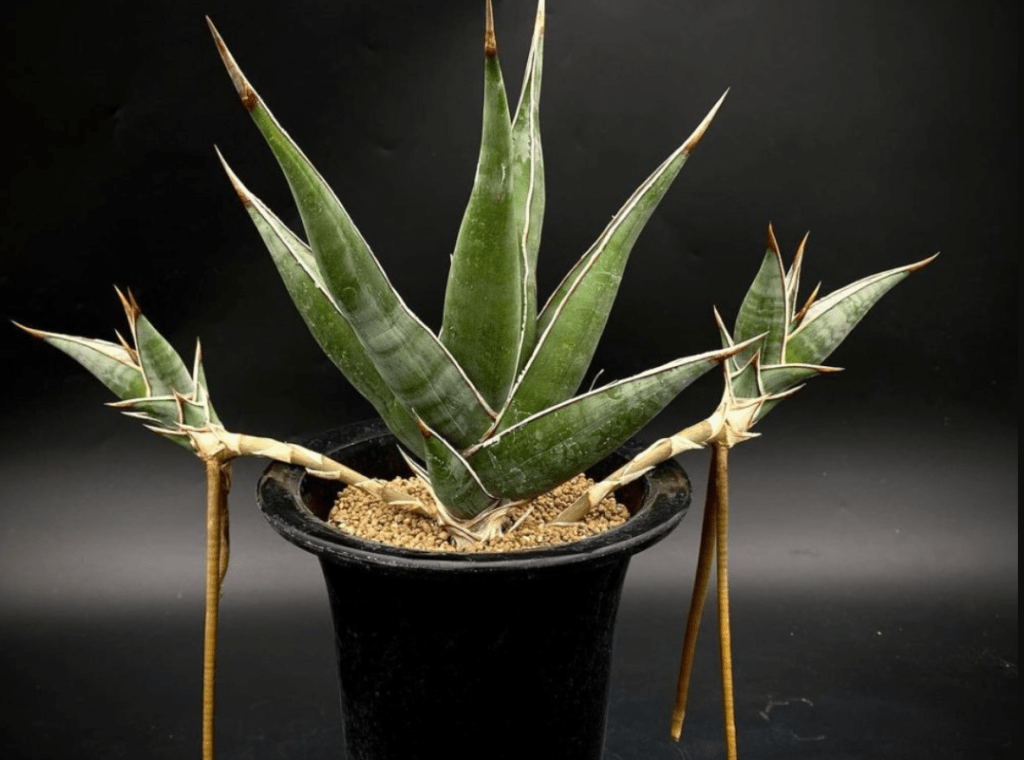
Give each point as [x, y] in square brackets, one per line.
[487, 408]
[488, 404]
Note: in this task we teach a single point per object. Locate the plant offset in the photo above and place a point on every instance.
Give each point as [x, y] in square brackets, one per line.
[486, 408]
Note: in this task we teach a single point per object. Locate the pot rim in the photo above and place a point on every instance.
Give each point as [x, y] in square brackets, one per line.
[281, 491]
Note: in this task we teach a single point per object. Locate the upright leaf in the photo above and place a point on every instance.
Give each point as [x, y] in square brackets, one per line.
[408, 356]
[765, 308]
[452, 478]
[793, 279]
[574, 318]
[165, 372]
[202, 392]
[723, 331]
[528, 177]
[745, 381]
[485, 298]
[830, 319]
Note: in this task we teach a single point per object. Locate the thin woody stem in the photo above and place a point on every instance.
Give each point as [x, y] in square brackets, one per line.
[697, 600]
[216, 564]
[721, 458]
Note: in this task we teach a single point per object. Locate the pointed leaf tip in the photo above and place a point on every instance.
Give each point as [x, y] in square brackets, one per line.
[793, 277]
[799, 316]
[240, 190]
[773, 244]
[803, 244]
[490, 40]
[245, 91]
[923, 263]
[131, 306]
[30, 330]
[829, 320]
[694, 139]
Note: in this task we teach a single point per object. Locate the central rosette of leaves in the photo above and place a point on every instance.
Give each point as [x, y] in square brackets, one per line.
[487, 405]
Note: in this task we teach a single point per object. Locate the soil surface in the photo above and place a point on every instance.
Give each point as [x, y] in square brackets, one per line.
[362, 515]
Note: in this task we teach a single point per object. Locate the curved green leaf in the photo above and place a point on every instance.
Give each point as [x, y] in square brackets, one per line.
[829, 320]
[111, 364]
[572, 321]
[485, 298]
[554, 445]
[416, 366]
[323, 316]
[528, 177]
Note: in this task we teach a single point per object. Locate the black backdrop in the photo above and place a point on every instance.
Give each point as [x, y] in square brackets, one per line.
[874, 535]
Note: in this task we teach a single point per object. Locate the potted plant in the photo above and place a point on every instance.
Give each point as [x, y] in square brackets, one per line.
[486, 411]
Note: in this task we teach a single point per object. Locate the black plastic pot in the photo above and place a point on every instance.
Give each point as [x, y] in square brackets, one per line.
[482, 656]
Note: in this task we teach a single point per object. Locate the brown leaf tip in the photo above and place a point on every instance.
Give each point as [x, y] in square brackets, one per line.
[773, 244]
[245, 91]
[240, 190]
[490, 40]
[922, 263]
[799, 316]
[694, 139]
[30, 330]
[803, 243]
[131, 306]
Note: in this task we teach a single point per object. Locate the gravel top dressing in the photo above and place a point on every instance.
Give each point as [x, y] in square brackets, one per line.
[529, 524]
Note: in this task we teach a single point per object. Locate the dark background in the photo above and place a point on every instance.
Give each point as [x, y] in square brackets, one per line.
[874, 531]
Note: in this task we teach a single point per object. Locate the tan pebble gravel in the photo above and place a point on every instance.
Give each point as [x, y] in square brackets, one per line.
[364, 516]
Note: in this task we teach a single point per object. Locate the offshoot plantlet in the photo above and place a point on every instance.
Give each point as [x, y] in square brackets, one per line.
[486, 408]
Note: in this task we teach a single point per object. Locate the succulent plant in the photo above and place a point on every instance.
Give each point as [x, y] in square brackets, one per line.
[488, 402]
[486, 405]
[782, 347]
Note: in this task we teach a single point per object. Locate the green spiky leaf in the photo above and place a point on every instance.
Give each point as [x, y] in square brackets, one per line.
[745, 382]
[554, 445]
[150, 379]
[574, 318]
[202, 392]
[416, 366]
[165, 372]
[112, 364]
[322, 315]
[765, 308]
[485, 300]
[528, 177]
[829, 320]
[780, 378]
[793, 279]
[452, 478]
